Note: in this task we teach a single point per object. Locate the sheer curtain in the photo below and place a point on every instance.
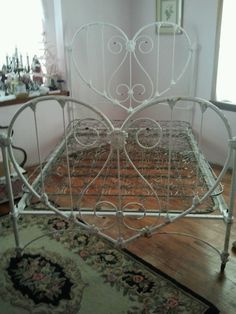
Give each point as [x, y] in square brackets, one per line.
[226, 82]
[54, 36]
[21, 25]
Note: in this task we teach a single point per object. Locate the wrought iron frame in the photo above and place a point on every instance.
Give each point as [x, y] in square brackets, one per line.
[116, 138]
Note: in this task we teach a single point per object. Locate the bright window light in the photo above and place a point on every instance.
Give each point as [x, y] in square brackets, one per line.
[226, 82]
[21, 25]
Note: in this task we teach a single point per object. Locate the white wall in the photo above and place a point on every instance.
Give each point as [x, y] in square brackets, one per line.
[199, 20]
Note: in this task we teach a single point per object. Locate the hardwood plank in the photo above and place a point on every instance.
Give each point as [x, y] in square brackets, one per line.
[190, 262]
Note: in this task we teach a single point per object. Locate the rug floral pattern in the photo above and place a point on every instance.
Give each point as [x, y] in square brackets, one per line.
[39, 278]
[49, 279]
[41, 282]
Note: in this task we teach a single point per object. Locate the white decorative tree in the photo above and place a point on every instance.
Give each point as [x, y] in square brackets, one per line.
[49, 62]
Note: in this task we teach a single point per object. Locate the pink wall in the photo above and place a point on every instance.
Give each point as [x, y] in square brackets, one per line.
[199, 18]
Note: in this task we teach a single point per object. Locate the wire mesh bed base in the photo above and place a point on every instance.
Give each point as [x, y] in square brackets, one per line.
[188, 175]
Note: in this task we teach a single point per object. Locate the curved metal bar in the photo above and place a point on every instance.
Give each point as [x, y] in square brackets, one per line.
[34, 103]
[146, 74]
[142, 177]
[49, 233]
[201, 102]
[83, 27]
[141, 129]
[76, 127]
[99, 228]
[91, 182]
[123, 36]
[116, 101]
[176, 28]
[189, 236]
[139, 217]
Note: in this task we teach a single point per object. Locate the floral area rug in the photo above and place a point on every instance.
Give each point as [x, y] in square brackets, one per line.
[76, 272]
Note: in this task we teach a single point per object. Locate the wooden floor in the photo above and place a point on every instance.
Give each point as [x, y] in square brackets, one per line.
[190, 262]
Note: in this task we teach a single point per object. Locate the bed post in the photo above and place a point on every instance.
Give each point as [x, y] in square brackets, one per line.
[229, 219]
[4, 144]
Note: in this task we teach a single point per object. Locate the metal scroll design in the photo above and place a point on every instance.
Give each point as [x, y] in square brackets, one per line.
[126, 77]
[121, 208]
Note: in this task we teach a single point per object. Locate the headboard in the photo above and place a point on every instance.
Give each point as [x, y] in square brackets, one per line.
[129, 72]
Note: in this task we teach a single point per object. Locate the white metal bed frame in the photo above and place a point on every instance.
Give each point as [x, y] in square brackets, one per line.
[128, 53]
[116, 137]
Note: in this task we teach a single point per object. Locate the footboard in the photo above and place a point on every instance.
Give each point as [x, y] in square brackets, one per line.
[126, 178]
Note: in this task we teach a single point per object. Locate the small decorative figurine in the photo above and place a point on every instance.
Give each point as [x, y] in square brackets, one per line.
[19, 77]
[37, 71]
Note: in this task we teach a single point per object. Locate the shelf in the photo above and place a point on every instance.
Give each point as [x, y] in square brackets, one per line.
[18, 101]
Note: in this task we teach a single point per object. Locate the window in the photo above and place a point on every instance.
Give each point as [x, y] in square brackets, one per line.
[226, 68]
[21, 25]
